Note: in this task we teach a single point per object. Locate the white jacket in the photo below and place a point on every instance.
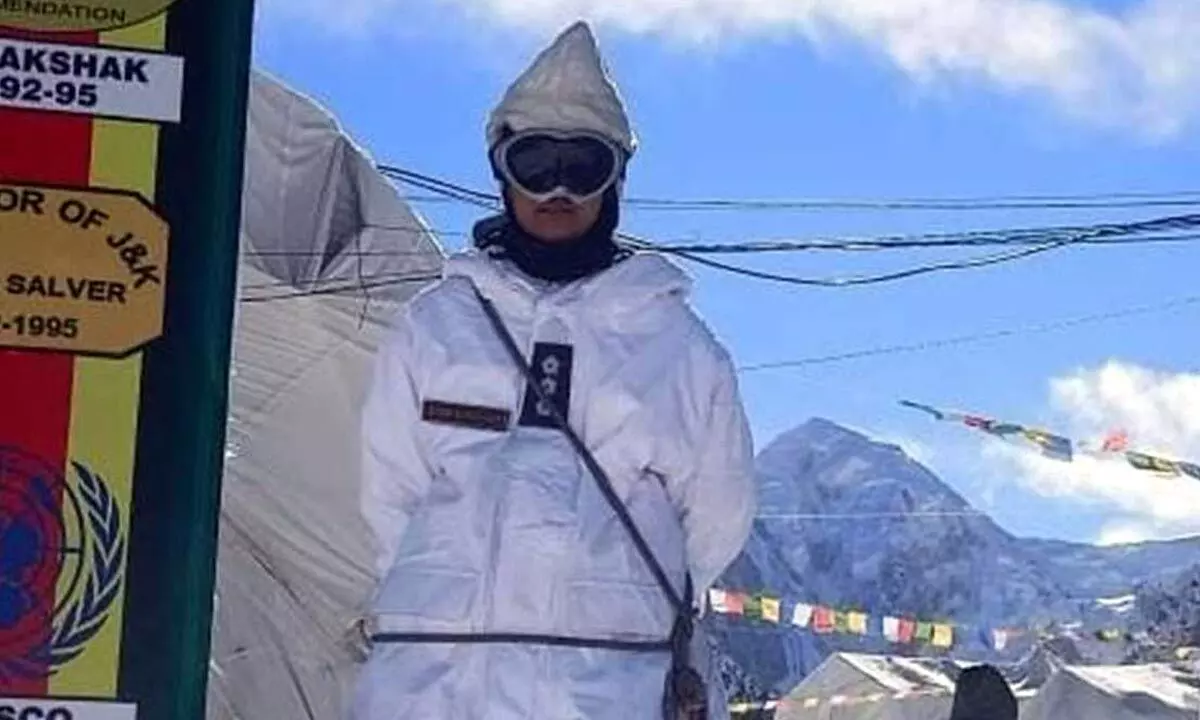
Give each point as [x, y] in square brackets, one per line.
[502, 529]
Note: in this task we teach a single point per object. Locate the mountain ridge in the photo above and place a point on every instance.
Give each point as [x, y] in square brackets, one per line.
[850, 522]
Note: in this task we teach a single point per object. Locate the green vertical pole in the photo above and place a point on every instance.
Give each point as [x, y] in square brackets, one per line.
[180, 455]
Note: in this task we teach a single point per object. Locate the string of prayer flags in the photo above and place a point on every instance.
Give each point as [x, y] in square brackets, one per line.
[1062, 448]
[826, 620]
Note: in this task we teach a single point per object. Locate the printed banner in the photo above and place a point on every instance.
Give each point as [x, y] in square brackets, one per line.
[120, 166]
[90, 80]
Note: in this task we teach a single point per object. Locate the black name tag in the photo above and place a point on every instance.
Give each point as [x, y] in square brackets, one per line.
[472, 416]
[552, 369]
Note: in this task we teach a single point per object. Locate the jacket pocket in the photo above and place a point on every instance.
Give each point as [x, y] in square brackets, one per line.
[618, 610]
[431, 595]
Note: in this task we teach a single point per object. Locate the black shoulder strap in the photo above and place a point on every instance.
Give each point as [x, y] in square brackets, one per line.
[682, 605]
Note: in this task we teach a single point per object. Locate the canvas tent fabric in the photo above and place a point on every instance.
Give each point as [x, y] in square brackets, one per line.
[1133, 692]
[862, 674]
[330, 250]
[870, 687]
[854, 686]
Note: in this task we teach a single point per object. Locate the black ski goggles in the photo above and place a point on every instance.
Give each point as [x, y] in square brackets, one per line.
[544, 164]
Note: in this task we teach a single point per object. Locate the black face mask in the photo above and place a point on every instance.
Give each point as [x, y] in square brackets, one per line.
[556, 262]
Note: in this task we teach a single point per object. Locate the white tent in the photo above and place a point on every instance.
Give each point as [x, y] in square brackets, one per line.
[329, 251]
[851, 686]
[1129, 692]
[874, 687]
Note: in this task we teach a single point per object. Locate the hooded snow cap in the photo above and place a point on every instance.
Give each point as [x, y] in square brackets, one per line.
[982, 693]
[565, 88]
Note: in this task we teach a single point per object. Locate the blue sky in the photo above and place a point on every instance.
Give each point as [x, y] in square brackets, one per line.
[752, 107]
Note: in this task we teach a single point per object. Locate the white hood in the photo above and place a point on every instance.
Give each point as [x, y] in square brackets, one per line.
[565, 88]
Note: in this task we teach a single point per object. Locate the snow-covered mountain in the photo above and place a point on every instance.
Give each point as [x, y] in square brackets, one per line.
[1092, 571]
[856, 524]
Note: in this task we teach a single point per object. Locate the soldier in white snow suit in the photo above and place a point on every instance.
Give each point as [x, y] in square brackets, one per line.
[510, 588]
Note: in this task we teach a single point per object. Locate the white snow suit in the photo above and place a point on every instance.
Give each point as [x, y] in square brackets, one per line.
[487, 521]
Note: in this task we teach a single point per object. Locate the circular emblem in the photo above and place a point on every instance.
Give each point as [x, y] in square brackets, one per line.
[78, 15]
[61, 556]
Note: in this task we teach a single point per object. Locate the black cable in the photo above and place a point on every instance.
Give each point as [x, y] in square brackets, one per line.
[442, 187]
[953, 204]
[858, 280]
[980, 238]
[486, 200]
[953, 240]
[1178, 198]
[477, 198]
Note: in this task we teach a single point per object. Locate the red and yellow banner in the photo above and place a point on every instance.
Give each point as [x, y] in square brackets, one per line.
[68, 432]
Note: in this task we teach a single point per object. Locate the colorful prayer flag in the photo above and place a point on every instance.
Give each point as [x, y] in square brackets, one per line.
[752, 607]
[891, 629]
[1141, 461]
[770, 609]
[735, 603]
[1117, 441]
[999, 428]
[999, 639]
[717, 601]
[980, 423]
[823, 620]
[908, 630]
[943, 635]
[1053, 446]
[856, 623]
[841, 622]
[924, 632]
[802, 615]
[1189, 469]
[937, 414]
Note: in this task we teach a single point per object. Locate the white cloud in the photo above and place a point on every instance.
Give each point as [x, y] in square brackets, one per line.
[1125, 533]
[1159, 411]
[1141, 66]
